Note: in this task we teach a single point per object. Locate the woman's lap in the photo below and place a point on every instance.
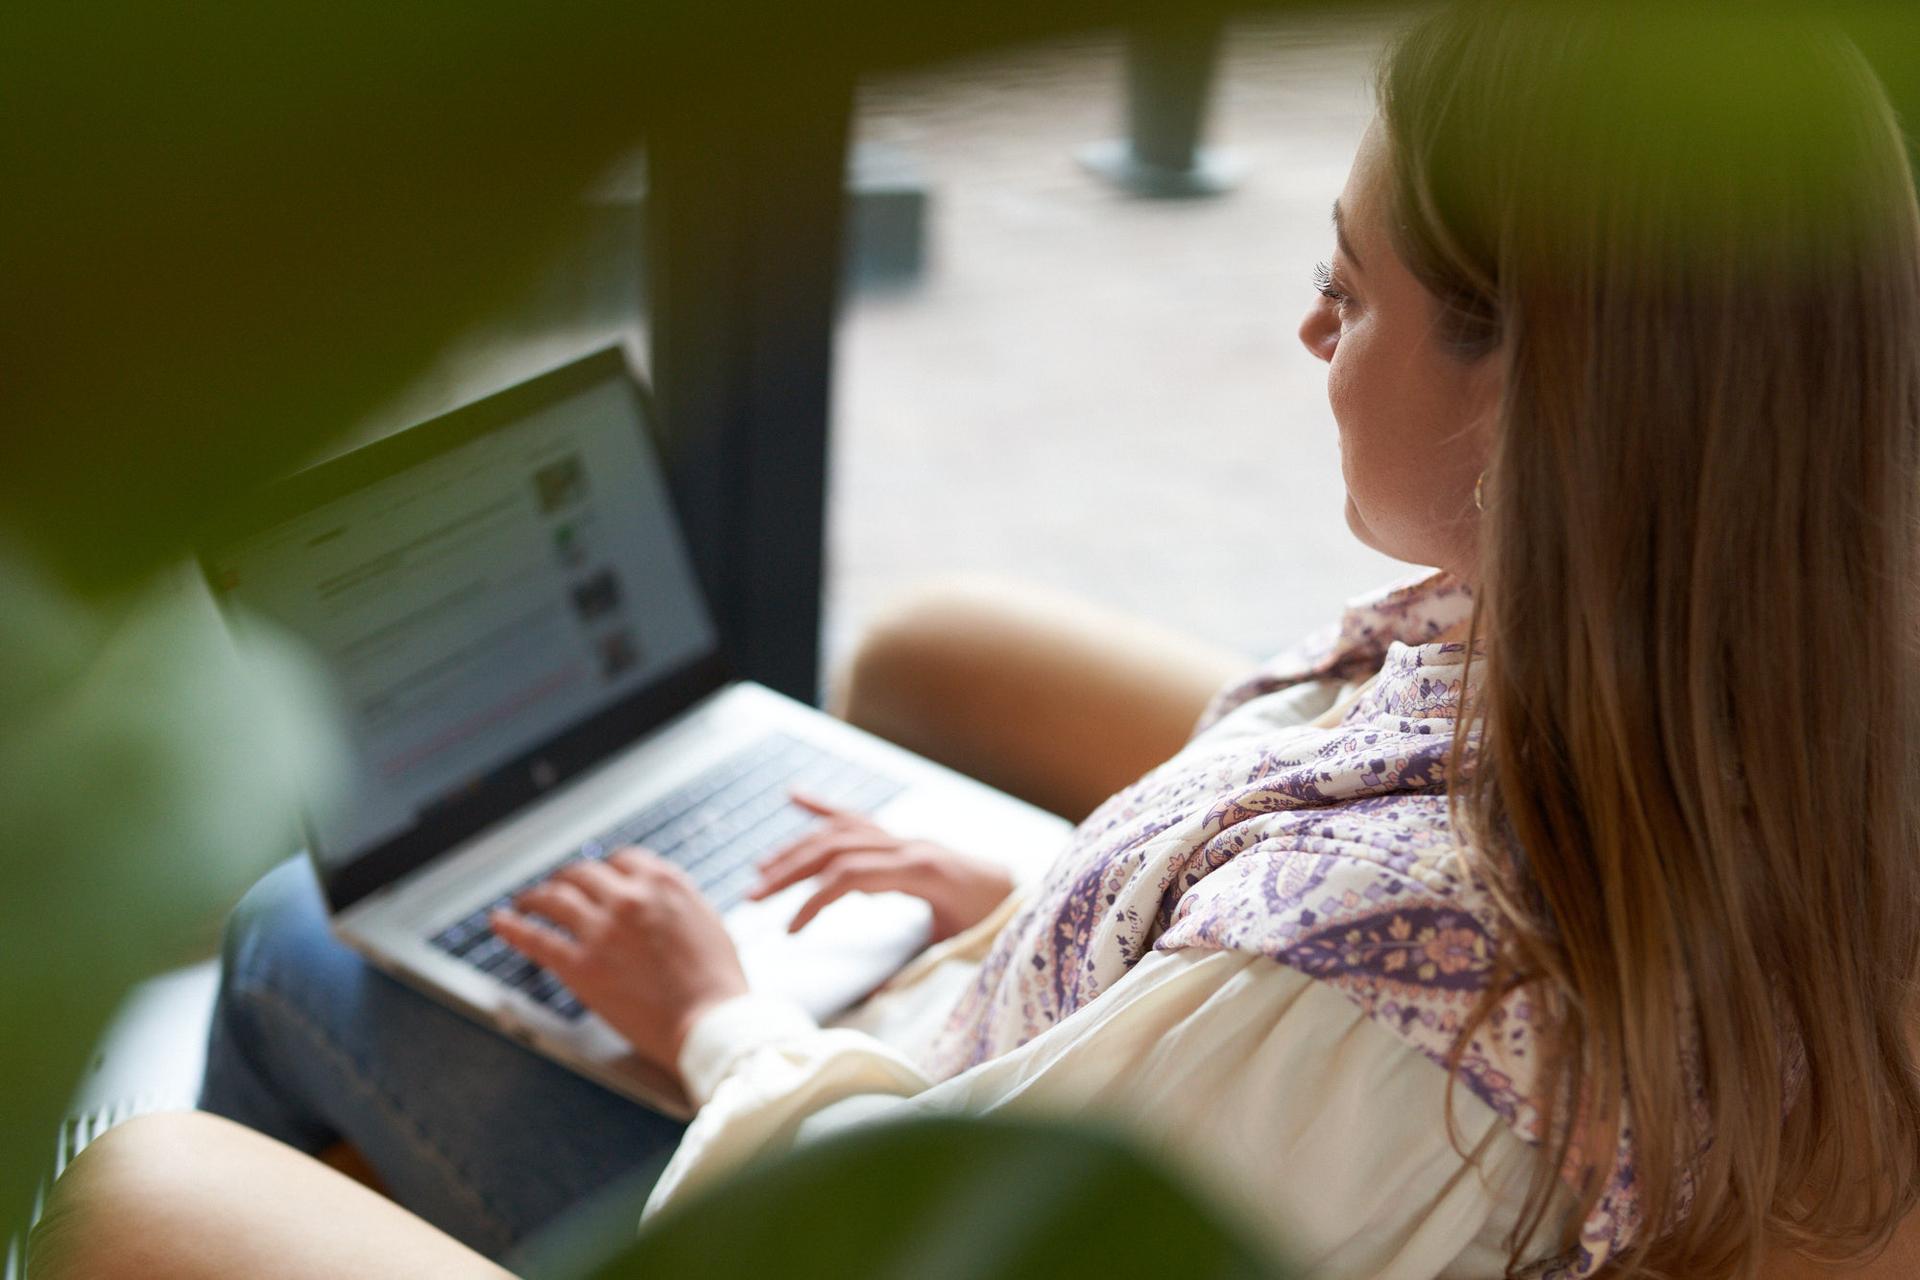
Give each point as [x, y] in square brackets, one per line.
[475, 1133]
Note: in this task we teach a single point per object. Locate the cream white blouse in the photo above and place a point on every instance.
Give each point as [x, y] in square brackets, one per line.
[1273, 1093]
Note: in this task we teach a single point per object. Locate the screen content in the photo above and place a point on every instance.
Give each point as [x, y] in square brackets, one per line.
[476, 604]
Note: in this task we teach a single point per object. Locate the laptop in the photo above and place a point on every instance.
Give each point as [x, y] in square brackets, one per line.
[527, 673]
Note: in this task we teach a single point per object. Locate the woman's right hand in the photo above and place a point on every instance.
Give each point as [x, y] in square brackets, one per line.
[851, 854]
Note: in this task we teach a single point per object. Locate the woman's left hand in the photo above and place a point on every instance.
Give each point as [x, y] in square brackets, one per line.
[648, 952]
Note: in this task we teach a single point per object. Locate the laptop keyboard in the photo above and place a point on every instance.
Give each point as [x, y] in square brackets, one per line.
[715, 827]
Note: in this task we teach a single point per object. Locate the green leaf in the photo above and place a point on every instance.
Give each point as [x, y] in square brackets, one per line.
[958, 1198]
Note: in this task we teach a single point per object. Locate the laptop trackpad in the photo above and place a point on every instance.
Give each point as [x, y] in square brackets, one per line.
[846, 951]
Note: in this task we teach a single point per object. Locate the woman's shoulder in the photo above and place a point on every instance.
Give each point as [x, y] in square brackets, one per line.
[1410, 940]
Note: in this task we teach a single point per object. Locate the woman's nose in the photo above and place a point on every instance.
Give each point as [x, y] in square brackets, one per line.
[1320, 331]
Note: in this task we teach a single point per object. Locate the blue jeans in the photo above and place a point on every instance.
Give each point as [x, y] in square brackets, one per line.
[476, 1134]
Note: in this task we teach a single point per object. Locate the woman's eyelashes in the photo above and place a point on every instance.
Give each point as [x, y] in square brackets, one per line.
[1329, 287]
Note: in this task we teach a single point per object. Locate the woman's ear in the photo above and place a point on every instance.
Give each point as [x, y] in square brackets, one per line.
[1486, 388]
[1485, 391]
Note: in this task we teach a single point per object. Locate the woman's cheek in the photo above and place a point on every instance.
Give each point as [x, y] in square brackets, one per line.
[1347, 391]
[1365, 415]
[1338, 386]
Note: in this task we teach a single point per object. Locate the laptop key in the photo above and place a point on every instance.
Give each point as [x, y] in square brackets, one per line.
[499, 960]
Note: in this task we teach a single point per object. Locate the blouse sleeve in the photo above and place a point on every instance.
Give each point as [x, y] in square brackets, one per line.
[1273, 1093]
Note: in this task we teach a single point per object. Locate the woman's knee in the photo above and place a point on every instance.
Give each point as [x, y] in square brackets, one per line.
[922, 651]
[272, 934]
[124, 1206]
[282, 902]
[1055, 699]
[973, 636]
[186, 1196]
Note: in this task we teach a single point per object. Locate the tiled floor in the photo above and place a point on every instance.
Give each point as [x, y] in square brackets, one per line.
[1097, 393]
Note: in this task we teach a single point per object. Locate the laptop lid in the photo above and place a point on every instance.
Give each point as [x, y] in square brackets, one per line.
[500, 598]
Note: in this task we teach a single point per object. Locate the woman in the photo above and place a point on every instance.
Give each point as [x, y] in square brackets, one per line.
[1558, 914]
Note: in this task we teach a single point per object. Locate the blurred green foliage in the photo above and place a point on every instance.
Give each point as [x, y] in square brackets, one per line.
[937, 1199]
[143, 780]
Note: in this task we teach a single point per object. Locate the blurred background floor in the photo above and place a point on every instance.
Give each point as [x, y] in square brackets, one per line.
[1099, 393]
[1087, 390]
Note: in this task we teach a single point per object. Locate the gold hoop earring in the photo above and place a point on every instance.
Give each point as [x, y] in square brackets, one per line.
[1479, 487]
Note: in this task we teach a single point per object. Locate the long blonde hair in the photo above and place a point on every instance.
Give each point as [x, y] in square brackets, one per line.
[1690, 234]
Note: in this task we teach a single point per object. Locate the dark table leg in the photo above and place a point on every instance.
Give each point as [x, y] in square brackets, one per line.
[1171, 63]
[745, 213]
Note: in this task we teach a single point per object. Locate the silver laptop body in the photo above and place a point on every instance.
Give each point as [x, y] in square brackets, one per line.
[526, 673]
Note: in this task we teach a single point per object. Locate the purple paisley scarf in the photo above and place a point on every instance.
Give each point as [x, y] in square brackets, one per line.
[1325, 849]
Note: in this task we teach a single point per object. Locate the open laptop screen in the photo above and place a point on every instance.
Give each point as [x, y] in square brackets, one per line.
[498, 598]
